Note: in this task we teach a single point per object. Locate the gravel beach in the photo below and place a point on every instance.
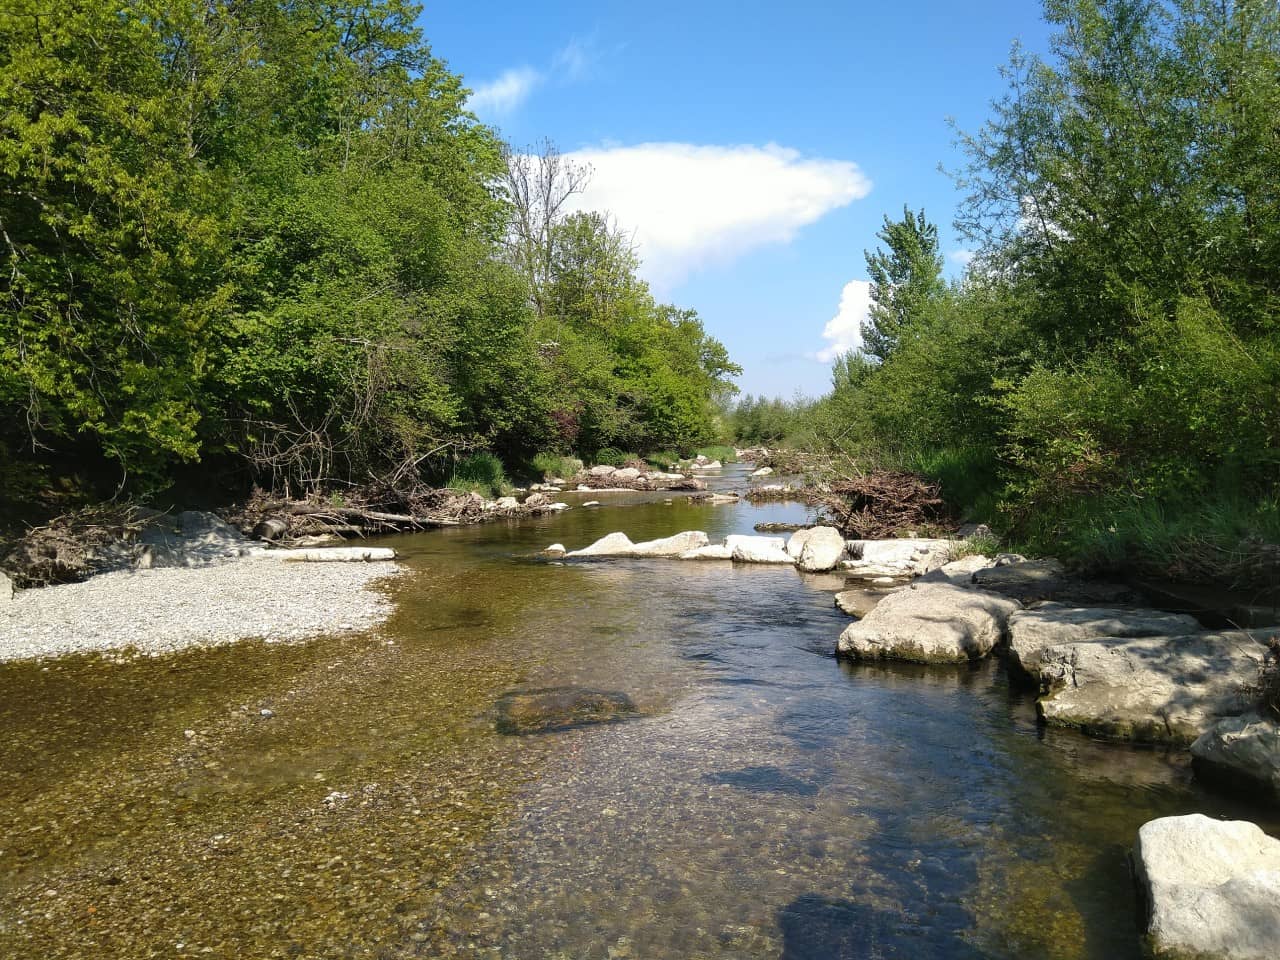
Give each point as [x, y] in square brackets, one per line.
[163, 610]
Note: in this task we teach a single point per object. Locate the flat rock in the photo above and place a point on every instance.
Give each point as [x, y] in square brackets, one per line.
[626, 474]
[1049, 623]
[612, 545]
[930, 623]
[958, 571]
[746, 549]
[1031, 580]
[555, 550]
[860, 601]
[1212, 888]
[1241, 751]
[602, 471]
[714, 552]
[762, 472]
[1149, 689]
[551, 709]
[902, 557]
[672, 546]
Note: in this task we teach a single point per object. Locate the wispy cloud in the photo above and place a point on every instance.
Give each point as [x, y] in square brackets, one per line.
[505, 94]
[691, 206]
[575, 59]
[844, 330]
[961, 257]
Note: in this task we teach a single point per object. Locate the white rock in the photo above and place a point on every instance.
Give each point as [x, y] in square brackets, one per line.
[506, 503]
[556, 507]
[555, 550]
[626, 474]
[1212, 888]
[602, 471]
[672, 546]
[1047, 624]
[709, 465]
[797, 540]
[930, 623]
[820, 550]
[762, 472]
[747, 549]
[613, 545]
[1154, 689]
[902, 557]
[715, 552]
[592, 503]
[1243, 749]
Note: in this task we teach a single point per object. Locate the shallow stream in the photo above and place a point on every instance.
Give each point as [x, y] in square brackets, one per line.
[766, 801]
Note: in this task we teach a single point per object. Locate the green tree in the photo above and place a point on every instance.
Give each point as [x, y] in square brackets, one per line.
[906, 277]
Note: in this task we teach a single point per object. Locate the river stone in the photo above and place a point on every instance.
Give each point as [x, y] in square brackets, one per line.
[748, 549]
[613, 545]
[1049, 623]
[958, 571]
[860, 601]
[1031, 580]
[762, 472]
[511, 503]
[672, 546]
[1149, 689]
[555, 550]
[714, 552]
[902, 557]
[626, 474]
[551, 709]
[1243, 750]
[1212, 888]
[930, 623]
[822, 550]
[602, 471]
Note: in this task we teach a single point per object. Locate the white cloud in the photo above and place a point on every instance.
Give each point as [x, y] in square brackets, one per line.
[691, 206]
[575, 59]
[844, 330]
[506, 93]
[961, 257]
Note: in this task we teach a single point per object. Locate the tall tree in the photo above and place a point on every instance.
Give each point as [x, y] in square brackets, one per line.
[906, 276]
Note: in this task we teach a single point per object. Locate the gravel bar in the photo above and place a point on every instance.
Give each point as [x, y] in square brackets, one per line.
[162, 610]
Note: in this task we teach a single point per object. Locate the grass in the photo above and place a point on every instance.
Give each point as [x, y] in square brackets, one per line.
[663, 459]
[613, 457]
[548, 465]
[722, 453]
[480, 473]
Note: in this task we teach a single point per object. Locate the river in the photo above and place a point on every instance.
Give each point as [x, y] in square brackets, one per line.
[352, 797]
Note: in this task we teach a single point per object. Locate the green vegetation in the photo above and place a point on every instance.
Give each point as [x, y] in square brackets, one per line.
[267, 238]
[1103, 383]
[718, 452]
[480, 473]
[554, 466]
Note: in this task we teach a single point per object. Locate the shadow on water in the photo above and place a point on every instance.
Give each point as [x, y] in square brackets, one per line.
[818, 927]
[764, 779]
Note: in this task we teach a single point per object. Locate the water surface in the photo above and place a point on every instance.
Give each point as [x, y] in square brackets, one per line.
[767, 801]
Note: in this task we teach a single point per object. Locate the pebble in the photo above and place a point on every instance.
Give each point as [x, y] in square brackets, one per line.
[162, 610]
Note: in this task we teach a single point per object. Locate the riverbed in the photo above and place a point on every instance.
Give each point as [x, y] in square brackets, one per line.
[351, 796]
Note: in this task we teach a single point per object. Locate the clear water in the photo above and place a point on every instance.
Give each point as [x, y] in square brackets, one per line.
[769, 801]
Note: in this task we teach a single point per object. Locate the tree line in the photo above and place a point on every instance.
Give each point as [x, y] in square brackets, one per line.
[265, 241]
[1105, 379]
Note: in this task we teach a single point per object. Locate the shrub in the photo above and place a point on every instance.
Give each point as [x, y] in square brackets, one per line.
[552, 465]
[721, 453]
[664, 459]
[479, 473]
[613, 457]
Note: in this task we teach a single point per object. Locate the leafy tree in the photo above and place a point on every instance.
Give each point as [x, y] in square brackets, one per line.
[906, 276]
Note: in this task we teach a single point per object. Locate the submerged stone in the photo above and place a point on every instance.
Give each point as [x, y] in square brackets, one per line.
[550, 709]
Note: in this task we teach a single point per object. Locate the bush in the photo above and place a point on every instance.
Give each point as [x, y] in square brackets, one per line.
[613, 457]
[552, 465]
[664, 459]
[480, 473]
[721, 453]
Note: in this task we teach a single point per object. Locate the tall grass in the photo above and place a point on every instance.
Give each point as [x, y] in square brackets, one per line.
[549, 466]
[480, 473]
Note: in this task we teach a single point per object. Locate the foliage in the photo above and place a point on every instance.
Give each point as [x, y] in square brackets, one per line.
[549, 466]
[722, 453]
[905, 278]
[480, 472]
[268, 236]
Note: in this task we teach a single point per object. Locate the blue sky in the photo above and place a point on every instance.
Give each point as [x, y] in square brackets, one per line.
[752, 148]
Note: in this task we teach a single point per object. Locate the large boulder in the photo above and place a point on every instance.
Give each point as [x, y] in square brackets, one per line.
[930, 623]
[627, 475]
[1242, 751]
[613, 545]
[903, 557]
[603, 470]
[1049, 623]
[1212, 888]
[1031, 580]
[748, 549]
[817, 549]
[672, 546]
[1149, 689]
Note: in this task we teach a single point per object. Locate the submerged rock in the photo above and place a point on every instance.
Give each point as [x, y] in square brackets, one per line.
[1242, 751]
[550, 709]
[1048, 624]
[930, 623]
[1212, 888]
[860, 601]
[747, 549]
[1150, 689]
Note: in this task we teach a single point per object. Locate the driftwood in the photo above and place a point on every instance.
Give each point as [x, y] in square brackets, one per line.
[883, 503]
